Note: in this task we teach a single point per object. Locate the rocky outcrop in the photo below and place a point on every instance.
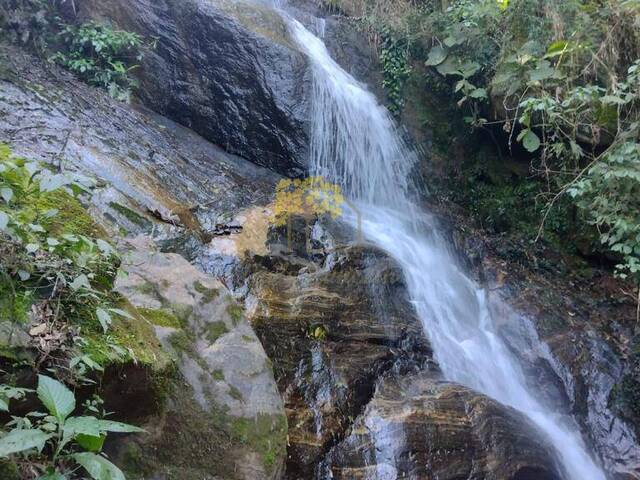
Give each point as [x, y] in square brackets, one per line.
[578, 340]
[224, 68]
[221, 412]
[332, 326]
[153, 175]
[423, 428]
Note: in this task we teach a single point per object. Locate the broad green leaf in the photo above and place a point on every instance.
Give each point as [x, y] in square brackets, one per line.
[542, 72]
[118, 427]
[478, 93]
[21, 440]
[529, 140]
[91, 443]
[122, 313]
[104, 318]
[437, 55]
[449, 67]
[98, 467]
[58, 399]
[82, 425]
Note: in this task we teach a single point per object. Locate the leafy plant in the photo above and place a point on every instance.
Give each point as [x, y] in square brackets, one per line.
[101, 56]
[58, 443]
[53, 265]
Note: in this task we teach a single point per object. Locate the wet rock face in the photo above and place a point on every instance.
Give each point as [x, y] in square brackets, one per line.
[153, 175]
[225, 69]
[422, 428]
[221, 412]
[331, 326]
[588, 362]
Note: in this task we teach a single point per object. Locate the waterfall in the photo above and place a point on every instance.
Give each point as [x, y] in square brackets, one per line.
[354, 143]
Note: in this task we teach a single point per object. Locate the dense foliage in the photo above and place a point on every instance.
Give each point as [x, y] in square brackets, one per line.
[97, 53]
[56, 280]
[555, 80]
[101, 56]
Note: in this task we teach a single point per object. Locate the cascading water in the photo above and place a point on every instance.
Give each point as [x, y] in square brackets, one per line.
[355, 144]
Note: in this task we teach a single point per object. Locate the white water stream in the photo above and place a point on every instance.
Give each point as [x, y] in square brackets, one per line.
[354, 143]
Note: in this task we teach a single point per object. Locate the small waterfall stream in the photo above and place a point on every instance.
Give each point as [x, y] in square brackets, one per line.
[354, 143]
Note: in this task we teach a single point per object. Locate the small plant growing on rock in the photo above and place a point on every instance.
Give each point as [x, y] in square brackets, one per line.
[54, 444]
[101, 56]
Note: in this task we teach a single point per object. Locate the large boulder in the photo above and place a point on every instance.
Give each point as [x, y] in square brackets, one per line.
[225, 69]
[426, 429]
[220, 415]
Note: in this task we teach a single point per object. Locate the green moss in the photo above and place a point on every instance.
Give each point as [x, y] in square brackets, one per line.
[160, 317]
[9, 470]
[235, 393]
[266, 434]
[15, 308]
[208, 294]
[182, 342]
[132, 216]
[218, 375]
[72, 216]
[235, 311]
[134, 334]
[215, 330]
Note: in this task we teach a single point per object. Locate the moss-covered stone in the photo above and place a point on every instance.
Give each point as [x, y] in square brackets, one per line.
[266, 434]
[215, 330]
[235, 311]
[72, 216]
[160, 317]
[132, 216]
[208, 294]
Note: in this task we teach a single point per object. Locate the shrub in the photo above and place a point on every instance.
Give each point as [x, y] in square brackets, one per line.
[101, 56]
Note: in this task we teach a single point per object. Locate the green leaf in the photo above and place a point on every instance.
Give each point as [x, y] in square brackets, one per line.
[118, 427]
[478, 93]
[58, 399]
[122, 313]
[104, 318]
[98, 467]
[82, 425]
[21, 440]
[437, 55]
[542, 72]
[91, 443]
[530, 140]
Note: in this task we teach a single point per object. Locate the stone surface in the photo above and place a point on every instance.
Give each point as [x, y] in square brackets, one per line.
[422, 428]
[223, 401]
[153, 175]
[225, 69]
[586, 355]
[332, 322]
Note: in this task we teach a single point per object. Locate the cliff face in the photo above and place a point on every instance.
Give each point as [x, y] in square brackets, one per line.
[338, 380]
